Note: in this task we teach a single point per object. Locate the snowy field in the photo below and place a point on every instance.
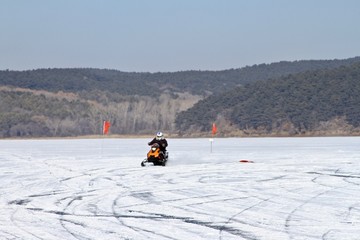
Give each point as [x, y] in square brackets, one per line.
[296, 188]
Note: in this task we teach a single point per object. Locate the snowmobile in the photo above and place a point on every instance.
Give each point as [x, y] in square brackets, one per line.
[155, 156]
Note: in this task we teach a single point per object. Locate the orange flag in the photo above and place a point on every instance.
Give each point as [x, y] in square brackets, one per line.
[214, 129]
[106, 127]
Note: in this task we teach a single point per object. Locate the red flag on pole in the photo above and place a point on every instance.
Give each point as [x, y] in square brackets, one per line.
[214, 129]
[106, 127]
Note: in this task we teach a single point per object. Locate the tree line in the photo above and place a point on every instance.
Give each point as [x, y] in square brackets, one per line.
[150, 84]
[294, 104]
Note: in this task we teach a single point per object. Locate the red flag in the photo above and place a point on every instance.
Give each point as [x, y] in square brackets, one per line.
[214, 129]
[106, 127]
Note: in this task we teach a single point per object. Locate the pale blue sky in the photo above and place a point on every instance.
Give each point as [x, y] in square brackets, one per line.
[174, 35]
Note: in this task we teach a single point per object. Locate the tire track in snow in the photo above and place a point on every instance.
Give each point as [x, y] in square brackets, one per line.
[331, 188]
[243, 234]
[148, 200]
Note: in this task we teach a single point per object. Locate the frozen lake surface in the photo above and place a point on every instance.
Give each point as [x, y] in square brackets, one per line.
[296, 188]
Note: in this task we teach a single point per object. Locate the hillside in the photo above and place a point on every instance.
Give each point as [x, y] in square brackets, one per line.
[74, 102]
[150, 84]
[324, 102]
[35, 113]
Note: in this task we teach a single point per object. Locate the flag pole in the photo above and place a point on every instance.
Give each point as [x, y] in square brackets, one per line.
[213, 131]
[102, 140]
[105, 130]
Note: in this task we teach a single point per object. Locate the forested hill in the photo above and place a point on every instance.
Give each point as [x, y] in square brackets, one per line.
[314, 102]
[147, 84]
[75, 102]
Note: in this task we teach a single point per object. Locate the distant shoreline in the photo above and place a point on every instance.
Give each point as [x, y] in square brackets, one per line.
[173, 136]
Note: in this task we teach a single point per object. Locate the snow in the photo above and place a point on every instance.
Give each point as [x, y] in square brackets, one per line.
[296, 188]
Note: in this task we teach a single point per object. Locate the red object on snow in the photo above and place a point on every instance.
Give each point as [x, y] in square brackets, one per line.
[245, 161]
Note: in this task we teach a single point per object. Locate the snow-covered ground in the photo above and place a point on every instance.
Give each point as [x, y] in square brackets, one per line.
[296, 188]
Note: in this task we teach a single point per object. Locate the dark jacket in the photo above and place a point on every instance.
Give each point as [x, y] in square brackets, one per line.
[162, 143]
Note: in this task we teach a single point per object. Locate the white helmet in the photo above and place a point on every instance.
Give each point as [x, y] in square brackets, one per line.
[159, 135]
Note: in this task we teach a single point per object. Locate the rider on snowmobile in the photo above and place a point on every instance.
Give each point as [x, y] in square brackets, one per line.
[159, 139]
